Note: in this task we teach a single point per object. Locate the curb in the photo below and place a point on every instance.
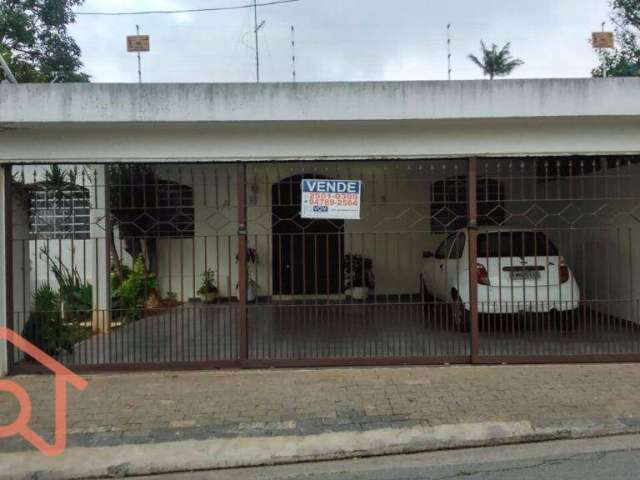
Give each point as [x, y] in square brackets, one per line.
[192, 455]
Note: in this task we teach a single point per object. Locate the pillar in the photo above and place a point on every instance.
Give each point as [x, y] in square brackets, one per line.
[6, 265]
[100, 232]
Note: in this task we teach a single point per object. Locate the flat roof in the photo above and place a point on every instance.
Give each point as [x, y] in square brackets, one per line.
[318, 102]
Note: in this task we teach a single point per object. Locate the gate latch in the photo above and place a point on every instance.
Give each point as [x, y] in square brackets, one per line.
[242, 229]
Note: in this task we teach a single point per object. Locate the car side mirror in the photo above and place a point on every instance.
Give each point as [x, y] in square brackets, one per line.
[426, 254]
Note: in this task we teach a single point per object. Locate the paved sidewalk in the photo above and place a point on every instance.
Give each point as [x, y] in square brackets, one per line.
[162, 407]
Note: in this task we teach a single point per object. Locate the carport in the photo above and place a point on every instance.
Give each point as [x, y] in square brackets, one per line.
[202, 183]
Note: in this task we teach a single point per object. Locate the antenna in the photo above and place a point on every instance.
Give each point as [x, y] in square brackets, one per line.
[449, 50]
[139, 58]
[256, 29]
[293, 51]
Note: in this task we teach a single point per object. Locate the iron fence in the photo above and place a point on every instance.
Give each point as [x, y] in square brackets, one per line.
[484, 260]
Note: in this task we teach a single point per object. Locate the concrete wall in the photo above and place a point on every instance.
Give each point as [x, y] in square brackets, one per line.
[191, 123]
[602, 246]
[591, 217]
[301, 102]
[295, 141]
[394, 229]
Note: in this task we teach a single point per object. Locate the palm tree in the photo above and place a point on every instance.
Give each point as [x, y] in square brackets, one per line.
[496, 63]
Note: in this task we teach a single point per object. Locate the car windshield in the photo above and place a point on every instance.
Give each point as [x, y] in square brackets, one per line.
[515, 244]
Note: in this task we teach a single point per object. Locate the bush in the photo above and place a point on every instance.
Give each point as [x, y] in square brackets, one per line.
[75, 294]
[46, 328]
[129, 295]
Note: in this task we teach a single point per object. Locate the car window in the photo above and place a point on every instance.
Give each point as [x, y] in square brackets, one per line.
[445, 247]
[458, 246]
[515, 244]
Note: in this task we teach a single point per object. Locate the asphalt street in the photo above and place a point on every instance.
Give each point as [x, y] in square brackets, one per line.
[612, 458]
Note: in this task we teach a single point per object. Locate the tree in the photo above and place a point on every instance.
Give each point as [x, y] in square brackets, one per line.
[624, 61]
[35, 42]
[496, 63]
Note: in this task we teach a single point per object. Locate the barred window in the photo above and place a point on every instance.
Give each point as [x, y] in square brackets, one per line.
[449, 203]
[175, 210]
[59, 214]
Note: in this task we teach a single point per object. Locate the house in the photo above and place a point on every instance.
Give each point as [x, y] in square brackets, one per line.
[191, 176]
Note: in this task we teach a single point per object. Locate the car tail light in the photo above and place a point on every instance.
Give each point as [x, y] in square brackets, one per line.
[564, 271]
[483, 275]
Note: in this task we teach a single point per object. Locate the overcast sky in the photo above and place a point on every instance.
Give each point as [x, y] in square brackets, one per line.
[339, 40]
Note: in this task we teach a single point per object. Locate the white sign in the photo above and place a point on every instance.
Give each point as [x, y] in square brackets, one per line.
[331, 199]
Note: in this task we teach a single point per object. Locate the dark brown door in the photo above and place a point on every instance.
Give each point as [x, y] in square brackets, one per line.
[307, 253]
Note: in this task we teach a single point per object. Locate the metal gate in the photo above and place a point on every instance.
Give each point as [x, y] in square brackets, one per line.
[489, 260]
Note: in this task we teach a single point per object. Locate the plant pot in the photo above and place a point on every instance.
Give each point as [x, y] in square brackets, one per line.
[209, 297]
[252, 293]
[360, 293]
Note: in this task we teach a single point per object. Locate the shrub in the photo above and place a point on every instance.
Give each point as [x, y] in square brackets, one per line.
[46, 328]
[75, 294]
[129, 295]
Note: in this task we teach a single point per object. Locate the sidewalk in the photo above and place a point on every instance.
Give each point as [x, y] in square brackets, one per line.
[313, 414]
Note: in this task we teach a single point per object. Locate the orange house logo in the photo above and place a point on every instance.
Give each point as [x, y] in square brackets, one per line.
[63, 376]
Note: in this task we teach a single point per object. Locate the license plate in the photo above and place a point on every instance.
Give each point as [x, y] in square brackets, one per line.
[525, 275]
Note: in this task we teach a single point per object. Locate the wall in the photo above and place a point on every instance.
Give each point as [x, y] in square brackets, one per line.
[603, 245]
[593, 218]
[331, 101]
[394, 230]
[295, 141]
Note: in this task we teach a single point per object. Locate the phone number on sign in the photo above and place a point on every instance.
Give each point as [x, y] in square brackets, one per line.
[334, 200]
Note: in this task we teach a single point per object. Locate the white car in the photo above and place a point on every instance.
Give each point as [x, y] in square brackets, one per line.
[518, 271]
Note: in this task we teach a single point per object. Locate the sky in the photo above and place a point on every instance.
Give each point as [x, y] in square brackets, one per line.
[338, 40]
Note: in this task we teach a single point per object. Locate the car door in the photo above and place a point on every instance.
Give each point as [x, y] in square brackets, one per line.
[456, 266]
[435, 271]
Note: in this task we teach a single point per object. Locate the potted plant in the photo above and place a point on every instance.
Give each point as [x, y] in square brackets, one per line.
[208, 292]
[252, 285]
[358, 276]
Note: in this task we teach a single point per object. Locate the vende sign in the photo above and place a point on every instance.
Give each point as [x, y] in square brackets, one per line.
[331, 199]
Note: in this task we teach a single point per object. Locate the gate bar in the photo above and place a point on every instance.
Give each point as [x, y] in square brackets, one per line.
[472, 236]
[7, 268]
[242, 262]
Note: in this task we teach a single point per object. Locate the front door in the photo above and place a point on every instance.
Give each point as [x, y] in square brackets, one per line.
[307, 253]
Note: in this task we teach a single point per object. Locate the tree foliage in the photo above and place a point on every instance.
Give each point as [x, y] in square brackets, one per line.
[624, 61]
[496, 62]
[35, 42]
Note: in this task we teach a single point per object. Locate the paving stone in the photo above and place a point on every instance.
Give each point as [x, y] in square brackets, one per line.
[158, 407]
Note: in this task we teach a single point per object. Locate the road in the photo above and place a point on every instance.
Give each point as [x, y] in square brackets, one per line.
[613, 458]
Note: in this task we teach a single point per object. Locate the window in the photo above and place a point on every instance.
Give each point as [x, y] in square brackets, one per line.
[175, 210]
[59, 214]
[458, 247]
[452, 248]
[154, 209]
[449, 203]
[515, 244]
[445, 246]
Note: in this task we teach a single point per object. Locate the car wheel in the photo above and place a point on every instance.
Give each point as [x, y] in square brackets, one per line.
[566, 321]
[427, 306]
[460, 316]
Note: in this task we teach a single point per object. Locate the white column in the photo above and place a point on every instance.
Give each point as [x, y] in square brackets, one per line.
[100, 247]
[21, 266]
[5, 263]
